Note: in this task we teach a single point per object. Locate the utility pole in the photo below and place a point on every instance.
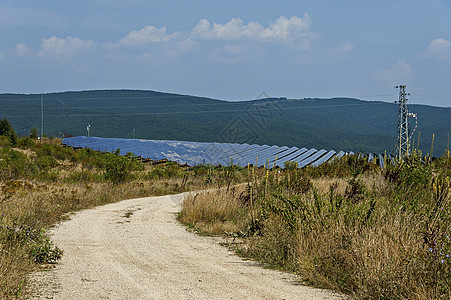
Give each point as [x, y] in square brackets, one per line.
[42, 116]
[404, 136]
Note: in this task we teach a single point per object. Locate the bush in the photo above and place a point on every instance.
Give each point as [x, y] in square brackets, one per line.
[26, 143]
[14, 165]
[45, 162]
[34, 133]
[7, 130]
[290, 165]
[4, 142]
[21, 233]
[158, 173]
[56, 151]
[119, 168]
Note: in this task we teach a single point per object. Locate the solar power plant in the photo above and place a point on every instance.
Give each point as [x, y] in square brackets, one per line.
[198, 153]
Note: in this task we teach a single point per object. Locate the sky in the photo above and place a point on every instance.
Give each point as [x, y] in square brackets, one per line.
[230, 50]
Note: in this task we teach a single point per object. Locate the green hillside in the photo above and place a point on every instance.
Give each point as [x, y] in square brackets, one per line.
[338, 123]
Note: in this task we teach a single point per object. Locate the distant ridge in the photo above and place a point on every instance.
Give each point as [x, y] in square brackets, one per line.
[337, 123]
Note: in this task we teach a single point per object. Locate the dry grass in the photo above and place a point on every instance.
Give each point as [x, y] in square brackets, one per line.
[323, 184]
[216, 211]
[370, 236]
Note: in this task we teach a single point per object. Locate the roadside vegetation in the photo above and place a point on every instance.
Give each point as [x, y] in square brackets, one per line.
[42, 183]
[347, 225]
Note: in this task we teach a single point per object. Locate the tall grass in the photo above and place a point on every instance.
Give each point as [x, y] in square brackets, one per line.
[349, 226]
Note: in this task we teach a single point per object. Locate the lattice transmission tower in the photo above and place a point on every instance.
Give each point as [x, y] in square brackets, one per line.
[404, 130]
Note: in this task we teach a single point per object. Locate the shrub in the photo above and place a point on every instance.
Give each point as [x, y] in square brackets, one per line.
[290, 165]
[34, 133]
[4, 142]
[158, 172]
[56, 151]
[7, 130]
[24, 234]
[26, 143]
[45, 162]
[119, 168]
[14, 165]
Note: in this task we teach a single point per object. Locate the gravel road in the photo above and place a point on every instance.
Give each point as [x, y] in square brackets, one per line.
[136, 249]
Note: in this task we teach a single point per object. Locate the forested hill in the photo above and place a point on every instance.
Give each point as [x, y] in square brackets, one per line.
[338, 123]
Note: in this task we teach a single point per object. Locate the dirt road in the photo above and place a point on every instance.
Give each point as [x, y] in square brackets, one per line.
[136, 249]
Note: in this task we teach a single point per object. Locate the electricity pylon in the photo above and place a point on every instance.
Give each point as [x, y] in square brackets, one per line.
[404, 133]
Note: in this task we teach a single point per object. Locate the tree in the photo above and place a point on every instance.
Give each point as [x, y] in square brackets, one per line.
[7, 130]
[34, 133]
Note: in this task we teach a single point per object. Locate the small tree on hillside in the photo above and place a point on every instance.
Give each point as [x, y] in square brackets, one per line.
[34, 133]
[7, 130]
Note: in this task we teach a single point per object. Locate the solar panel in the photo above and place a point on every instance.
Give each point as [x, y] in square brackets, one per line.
[197, 153]
[324, 158]
[290, 157]
[312, 158]
[267, 159]
[305, 155]
[381, 161]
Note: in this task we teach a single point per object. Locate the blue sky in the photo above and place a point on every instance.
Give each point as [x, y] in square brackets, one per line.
[231, 50]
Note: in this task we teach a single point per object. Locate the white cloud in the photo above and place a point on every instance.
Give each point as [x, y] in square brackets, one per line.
[394, 75]
[55, 47]
[22, 49]
[346, 47]
[439, 48]
[148, 35]
[282, 29]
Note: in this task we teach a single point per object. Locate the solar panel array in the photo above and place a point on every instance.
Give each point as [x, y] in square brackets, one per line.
[197, 153]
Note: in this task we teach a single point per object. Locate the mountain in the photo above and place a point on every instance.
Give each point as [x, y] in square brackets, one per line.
[337, 123]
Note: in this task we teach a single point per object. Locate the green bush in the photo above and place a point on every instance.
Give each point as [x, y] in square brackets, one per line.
[22, 233]
[26, 143]
[56, 151]
[158, 172]
[45, 162]
[290, 165]
[42, 249]
[14, 165]
[119, 168]
[411, 172]
[34, 133]
[7, 130]
[4, 142]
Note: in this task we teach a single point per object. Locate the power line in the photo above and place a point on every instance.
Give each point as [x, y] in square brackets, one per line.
[201, 112]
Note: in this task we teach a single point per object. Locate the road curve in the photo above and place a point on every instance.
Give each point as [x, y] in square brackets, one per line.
[136, 249]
